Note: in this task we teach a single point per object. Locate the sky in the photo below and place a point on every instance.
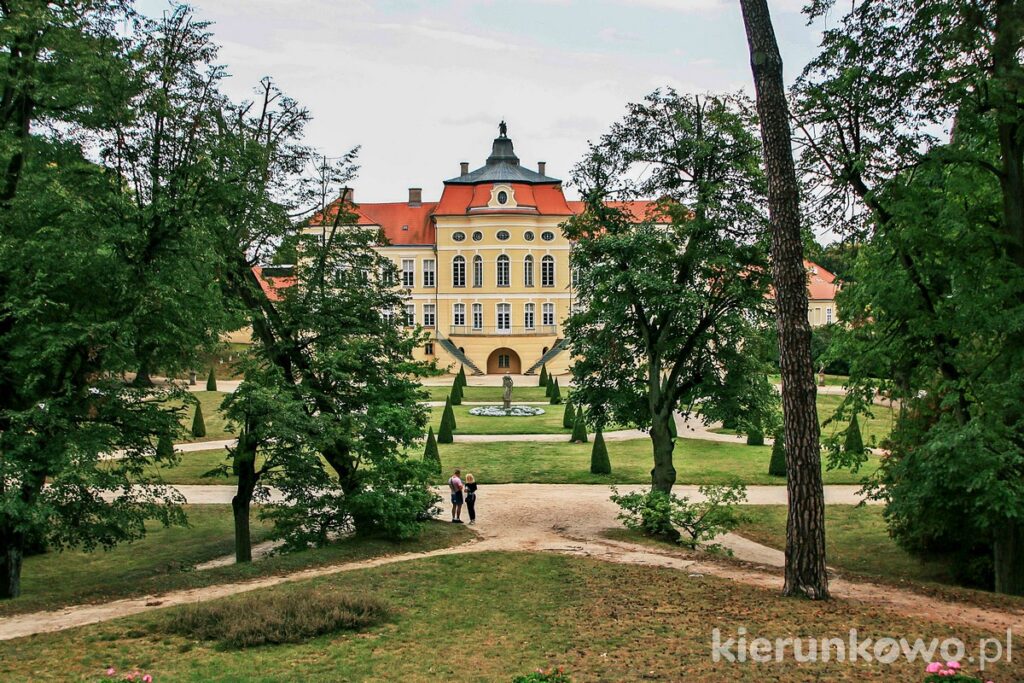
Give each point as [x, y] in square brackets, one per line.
[421, 85]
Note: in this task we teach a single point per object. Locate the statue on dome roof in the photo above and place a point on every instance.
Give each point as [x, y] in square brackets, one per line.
[502, 129]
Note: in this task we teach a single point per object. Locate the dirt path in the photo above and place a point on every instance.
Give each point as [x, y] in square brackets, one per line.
[551, 518]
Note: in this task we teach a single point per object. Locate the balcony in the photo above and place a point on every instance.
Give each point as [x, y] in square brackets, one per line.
[538, 331]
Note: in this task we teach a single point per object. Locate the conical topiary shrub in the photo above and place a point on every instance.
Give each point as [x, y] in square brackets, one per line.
[599, 463]
[579, 430]
[449, 415]
[444, 434]
[432, 456]
[164, 447]
[777, 465]
[543, 376]
[854, 443]
[556, 394]
[456, 393]
[198, 424]
[211, 381]
[569, 416]
[755, 437]
[461, 377]
[549, 388]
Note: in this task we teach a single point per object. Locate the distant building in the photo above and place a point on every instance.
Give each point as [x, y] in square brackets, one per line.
[821, 295]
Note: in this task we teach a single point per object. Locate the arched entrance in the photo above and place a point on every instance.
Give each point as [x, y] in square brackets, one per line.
[504, 360]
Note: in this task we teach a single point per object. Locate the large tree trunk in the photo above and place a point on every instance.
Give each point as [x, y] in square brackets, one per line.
[805, 528]
[663, 476]
[1009, 558]
[245, 468]
[340, 459]
[12, 551]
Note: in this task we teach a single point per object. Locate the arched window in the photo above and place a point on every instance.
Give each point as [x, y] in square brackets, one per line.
[478, 271]
[528, 271]
[504, 268]
[459, 271]
[547, 271]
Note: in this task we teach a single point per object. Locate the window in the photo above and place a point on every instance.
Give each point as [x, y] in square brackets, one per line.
[504, 361]
[478, 316]
[410, 315]
[529, 316]
[547, 271]
[428, 348]
[458, 236]
[478, 271]
[548, 314]
[477, 236]
[502, 235]
[459, 271]
[528, 271]
[388, 276]
[504, 317]
[429, 316]
[429, 273]
[502, 197]
[547, 235]
[408, 272]
[528, 235]
[459, 315]
[575, 277]
[828, 316]
[503, 271]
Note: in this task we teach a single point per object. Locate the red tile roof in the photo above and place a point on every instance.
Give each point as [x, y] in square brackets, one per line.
[639, 210]
[273, 286]
[820, 283]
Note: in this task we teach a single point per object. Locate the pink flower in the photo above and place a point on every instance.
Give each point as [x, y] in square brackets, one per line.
[147, 679]
[953, 665]
[934, 667]
[111, 671]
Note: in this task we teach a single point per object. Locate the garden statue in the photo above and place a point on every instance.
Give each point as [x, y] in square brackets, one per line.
[506, 382]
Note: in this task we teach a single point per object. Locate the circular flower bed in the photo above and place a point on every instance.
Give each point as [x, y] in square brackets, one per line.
[499, 411]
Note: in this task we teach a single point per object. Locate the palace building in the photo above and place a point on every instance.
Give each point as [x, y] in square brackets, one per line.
[486, 266]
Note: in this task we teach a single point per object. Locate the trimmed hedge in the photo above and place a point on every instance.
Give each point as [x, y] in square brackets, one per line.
[777, 465]
[198, 423]
[211, 381]
[579, 430]
[599, 462]
[431, 455]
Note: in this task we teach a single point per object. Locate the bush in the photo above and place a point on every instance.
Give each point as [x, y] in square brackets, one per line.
[461, 378]
[444, 434]
[276, 616]
[198, 424]
[164, 447]
[543, 382]
[549, 387]
[544, 676]
[854, 443]
[449, 415]
[569, 416]
[579, 430]
[777, 465]
[664, 515]
[755, 437]
[556, 393]
[431, 455]
[456, 393]
[211, 381]
[599, 462]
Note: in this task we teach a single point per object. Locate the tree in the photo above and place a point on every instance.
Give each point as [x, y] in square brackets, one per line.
[755, 436]
[444, 434]
[935, 308]
[211, 381]
[455, 395]
[666, 300]
[599, 462]
[165, 448]
[543, 381]
[568, 416]
[448, 416]
[579, 430]
[431, 454]
[777, 465]
[550, 386]
[556, 393]
[805, 526]
[854, 446]
[461, 377]
[198, 423]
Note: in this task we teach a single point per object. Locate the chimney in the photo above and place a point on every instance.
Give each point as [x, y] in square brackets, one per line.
[348, 195]
[415, 196]
[541, 165]
[463, 168]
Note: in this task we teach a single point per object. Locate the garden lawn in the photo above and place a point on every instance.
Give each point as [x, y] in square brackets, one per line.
[697, 462]
[192, 466]
[164, 559]
[492, 616]
[830, 380]
[872, 429]
[856, 539]
[493, 394]
[216, 422]
[548, 423]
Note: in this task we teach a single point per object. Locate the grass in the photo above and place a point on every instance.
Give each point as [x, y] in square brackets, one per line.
[697, 462]
[493, 394]
[548, 423]
[164, 559]
[872, 429]
[492, 616]
[856, 540]
[216, 423]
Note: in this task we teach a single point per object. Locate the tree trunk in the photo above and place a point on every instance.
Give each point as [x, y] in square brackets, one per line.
[663, 476]
[1009, 558]
[12, 551]
[142, 378]
[245, 468]
[805, 528]
[340, 459]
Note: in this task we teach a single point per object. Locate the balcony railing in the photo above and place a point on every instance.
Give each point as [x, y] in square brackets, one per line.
[538, 331]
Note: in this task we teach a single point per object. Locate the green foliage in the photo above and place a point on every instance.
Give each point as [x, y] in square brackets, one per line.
[579, 429]
[777, 465]
[455, 396]
[665, 515]
[544, 676]
[599, 462]
[755, 437]
[211, 381]
[448, 416]
[461, 377]
[569, 415]
[854, 446]
[165, 448]
[543, 381]
[198, 424]
[273, 617]
[549, 386]
[556, 393]
[431, 455]
[444, 433]
[673, 430]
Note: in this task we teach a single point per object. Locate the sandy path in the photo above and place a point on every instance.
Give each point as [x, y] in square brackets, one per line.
[549, 518]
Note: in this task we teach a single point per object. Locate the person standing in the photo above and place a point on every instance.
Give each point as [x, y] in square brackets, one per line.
[457, 487]
[471, 497]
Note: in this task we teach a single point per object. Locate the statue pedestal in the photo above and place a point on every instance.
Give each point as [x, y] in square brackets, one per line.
[507, 403]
